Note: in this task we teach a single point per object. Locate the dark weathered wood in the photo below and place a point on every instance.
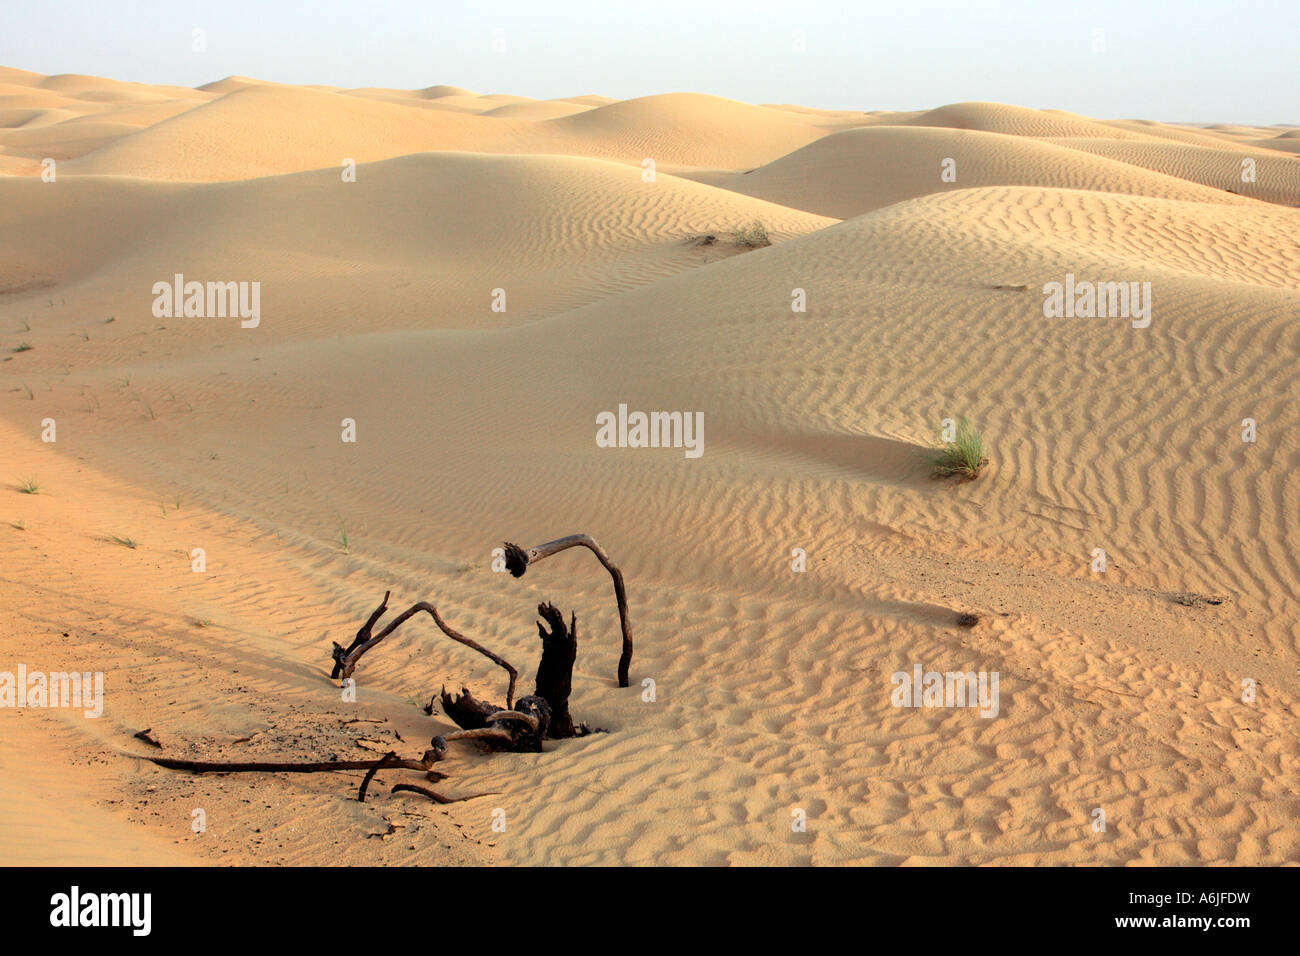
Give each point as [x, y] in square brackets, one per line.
[437, 797]
[319, 766]
[555, 671]
[363, 635]
[370, 774]
[520, 730]
[518, 560]
[466, 710]
[345, 661]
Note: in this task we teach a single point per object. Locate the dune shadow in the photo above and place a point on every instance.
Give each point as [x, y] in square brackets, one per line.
[872, 457]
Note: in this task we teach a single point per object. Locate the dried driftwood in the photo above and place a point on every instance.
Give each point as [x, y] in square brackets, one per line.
[520, 726]
[518, 560]
[345, 660]
[497, 726]
[555, 671]
[425, 763]
[437, 797]
[390, 761]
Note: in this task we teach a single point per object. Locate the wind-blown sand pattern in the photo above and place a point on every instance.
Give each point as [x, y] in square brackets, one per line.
[1119, 690]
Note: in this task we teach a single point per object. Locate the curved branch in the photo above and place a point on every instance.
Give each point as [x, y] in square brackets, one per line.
[370, 774]
[345, 662]
[518, 560]
[437, 797]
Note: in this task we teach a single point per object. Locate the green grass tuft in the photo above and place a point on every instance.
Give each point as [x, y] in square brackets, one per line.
[962, 457]
[29, 486]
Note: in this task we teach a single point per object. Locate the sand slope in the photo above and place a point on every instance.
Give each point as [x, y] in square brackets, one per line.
[854, 171]
[552, 232]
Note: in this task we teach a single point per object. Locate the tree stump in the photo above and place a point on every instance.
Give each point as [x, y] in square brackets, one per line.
[555, 670]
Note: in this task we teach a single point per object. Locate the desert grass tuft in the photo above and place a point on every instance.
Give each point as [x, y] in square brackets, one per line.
[754, 236]
[963, 457]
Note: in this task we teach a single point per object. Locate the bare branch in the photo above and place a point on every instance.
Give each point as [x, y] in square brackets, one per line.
[426, 762]
[435, 796]
[518, 560]
[345, 662]
[370, 774]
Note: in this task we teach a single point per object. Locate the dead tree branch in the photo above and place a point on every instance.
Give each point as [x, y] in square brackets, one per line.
[437, 797]
[518, 560]
[363, 635]
[370, 774]
[426, 762]
[345, 660]
[520, 730]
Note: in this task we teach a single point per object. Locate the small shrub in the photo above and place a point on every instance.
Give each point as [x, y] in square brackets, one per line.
[962, 457]
[754, 236]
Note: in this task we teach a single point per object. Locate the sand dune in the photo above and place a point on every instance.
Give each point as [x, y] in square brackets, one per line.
[1277, 178]
[854, 171]
[538, 110]
[264, 130]
[1013, 120]
[554, 232]
[1119, 690]
[687, 129]
[260, 130]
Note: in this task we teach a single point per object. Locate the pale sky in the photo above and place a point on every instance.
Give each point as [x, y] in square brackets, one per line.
[1170, 60]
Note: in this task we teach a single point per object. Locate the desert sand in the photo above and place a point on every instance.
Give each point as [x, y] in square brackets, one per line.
[1120, 690]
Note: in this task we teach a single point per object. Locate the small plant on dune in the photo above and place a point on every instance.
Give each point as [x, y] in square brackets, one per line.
[343, 537]
[126, 542]
[960, 451]
[24, 347]
[18, 525]
[29, 486]
[754, 235]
